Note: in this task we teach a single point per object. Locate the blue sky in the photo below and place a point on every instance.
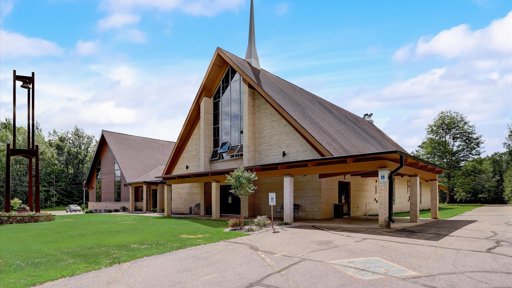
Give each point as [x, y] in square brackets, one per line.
[134, 66]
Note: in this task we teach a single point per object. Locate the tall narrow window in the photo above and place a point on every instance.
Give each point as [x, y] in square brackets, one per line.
[227, 117]
[117, 182]
[98, 182]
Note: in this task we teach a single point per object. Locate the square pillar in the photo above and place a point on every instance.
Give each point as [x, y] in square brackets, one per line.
[288, 198]
[160, 198]
[434, 200]
[215, 200]
[202, 209]
[167, 200]
[414, 209]
[132, 198]
[244, 206]
[144, 198]
[382, 197]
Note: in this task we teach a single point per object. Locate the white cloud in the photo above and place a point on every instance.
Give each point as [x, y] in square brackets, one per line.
[86, 47]
[16, 45]
[463, 42]
[6, 7]
[117, 20]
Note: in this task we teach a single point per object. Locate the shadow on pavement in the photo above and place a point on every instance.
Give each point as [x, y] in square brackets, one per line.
[431, 231]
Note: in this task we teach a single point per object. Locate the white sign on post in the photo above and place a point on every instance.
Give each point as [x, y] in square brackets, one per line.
[272, 199]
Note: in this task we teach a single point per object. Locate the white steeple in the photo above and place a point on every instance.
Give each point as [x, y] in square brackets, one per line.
[252, 55]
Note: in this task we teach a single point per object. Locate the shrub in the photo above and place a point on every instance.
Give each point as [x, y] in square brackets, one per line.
[15, 203]
[235, 223]
[109, 210]
[116, 210]
[154, 210]
[261, 221]
[23, 209]
[89, 211]
[8, 218]
[124, 209]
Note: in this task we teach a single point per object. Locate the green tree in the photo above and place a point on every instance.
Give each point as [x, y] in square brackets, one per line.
[507, 176]
[480, 180]
[451, 140]
[74, 151]
[242, 184]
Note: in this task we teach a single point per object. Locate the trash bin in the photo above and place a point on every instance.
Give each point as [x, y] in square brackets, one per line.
[338, 210]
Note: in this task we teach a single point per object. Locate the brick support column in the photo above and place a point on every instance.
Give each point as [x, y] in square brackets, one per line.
[382, 196]
[201, 199]
[288, 198]
[248, 96]
[244, 206]
[132, 198]
[414, 210]
[167, 200]
[144, 197]
[434, 200]
[206, 136]
[215, 200]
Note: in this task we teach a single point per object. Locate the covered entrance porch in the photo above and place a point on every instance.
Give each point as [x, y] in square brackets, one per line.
[147, 196]
[323, 187]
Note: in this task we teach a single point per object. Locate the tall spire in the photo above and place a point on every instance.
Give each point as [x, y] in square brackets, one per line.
[252, 55]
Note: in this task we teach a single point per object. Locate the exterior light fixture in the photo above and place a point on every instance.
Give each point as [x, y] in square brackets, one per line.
[284, 153]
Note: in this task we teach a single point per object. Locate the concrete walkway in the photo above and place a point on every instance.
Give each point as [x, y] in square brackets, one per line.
[471, 250]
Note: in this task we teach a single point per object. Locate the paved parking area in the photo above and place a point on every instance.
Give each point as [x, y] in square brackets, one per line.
[471, 250]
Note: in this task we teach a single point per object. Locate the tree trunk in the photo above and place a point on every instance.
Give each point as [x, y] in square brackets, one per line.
[450, 188]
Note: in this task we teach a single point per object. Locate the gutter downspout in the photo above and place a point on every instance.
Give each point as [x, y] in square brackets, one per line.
[392, 191]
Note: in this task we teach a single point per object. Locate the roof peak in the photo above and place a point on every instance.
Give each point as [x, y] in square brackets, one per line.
[131, 135]
[252, 55]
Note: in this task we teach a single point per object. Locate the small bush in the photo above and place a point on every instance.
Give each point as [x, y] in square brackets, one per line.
[9, 218]
[109, 210]
[15, 203]
[261, 221]
[116, 210]
[154, 210]
[124, 209]
[89, 211]
[235, 223]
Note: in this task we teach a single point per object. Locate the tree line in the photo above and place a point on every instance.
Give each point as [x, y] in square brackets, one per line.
[65, 158]
[451, 142]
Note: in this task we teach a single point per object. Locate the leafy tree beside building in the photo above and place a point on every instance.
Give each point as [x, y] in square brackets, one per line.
[451, 141]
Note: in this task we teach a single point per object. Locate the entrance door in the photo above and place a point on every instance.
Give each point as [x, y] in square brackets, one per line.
[154, 198]
[344, 198]
[229, 202]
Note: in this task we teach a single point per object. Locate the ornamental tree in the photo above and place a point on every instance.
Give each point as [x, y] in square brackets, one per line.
[241, 182]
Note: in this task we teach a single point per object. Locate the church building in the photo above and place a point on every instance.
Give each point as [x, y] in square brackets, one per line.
[321, 160]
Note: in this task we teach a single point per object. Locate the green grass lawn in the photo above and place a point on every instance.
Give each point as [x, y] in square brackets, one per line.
[70, 245]
[445, 210]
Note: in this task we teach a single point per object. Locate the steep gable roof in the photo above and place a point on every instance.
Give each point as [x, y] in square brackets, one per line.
[137, 156]
[329, 129]
[338, 130]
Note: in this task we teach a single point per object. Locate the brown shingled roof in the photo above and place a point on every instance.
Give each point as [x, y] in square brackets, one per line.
[338, 130]
[329, 129]
[140, 159]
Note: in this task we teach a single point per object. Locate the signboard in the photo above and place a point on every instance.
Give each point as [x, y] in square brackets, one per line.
[272, 199]
[383, 176]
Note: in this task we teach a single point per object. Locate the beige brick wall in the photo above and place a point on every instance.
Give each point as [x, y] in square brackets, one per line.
[272, 135]
[363, 195]
[185, 196]
[306, 193]
[190, 155]
[226, 164]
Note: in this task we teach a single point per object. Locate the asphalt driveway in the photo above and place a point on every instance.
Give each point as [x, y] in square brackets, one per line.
[470, 250]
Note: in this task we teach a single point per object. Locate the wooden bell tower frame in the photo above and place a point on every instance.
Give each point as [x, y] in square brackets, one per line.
[32, 150]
